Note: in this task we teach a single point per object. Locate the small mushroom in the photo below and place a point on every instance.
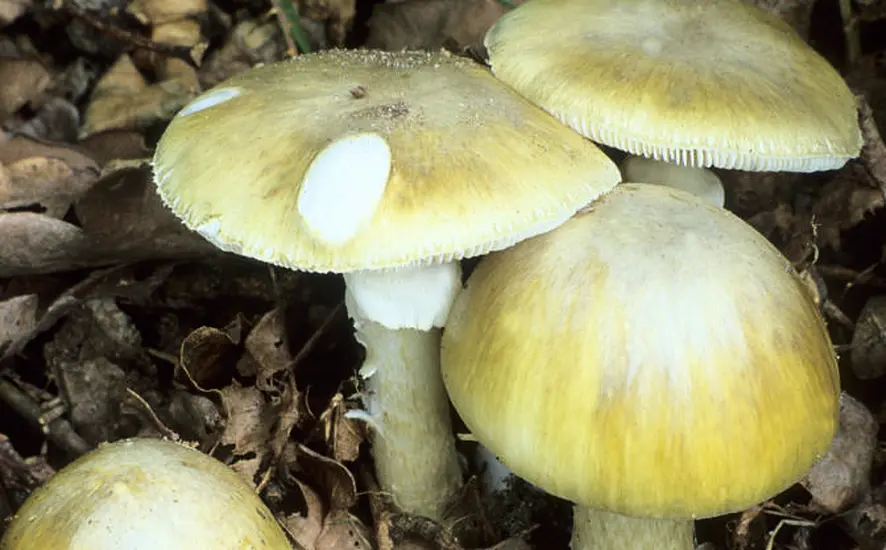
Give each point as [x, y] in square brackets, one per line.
[719, 83]
[144, 494]
[653, 360]
[388, 168]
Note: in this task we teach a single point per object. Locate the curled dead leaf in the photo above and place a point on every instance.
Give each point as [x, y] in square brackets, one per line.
[18, 317]
[208, 357]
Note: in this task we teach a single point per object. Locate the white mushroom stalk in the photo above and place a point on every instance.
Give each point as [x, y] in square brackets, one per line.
[595, 529]
[699, 181]
[398, 316]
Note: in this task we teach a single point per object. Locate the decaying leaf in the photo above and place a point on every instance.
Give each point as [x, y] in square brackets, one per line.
[248, 427]
[343, 435]
[123, 100]
[268, 346]
[457, 25]
[338, 15]
[334, 482]
[208, 357]
[10, 10]
[44, 180]
[156, 12]
[18, 317]
[250, 42]
[23, 81]
[842, 478]
[868, 349]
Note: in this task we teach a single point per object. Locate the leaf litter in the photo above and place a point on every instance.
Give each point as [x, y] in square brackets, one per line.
[115, 321]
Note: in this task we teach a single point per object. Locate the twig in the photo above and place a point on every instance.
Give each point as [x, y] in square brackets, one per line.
[850, 32]
[873, 153]
[290, 23]
[163, 428]
[185, 53]
[312, 341]
[59, 431]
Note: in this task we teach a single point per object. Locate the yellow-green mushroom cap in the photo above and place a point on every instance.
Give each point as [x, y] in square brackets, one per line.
[653, 356]
[353, 160]
[144, 494]
[705, 83]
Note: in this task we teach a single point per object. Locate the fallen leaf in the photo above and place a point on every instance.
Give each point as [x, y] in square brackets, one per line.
[337, 14]
[10, 10]
[343, 530]
[343, 435]
[868, 348]
[250, 42]
[156, 12]
[456, 25]
[36, 180]
[333, 481]
[249, 421]
[23, 81]
[842, 478]
[208, 356]
[123, 100]
[267, 344]
[305, 528]
[18, 317]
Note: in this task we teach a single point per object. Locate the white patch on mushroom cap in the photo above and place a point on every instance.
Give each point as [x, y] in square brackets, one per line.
[344, 185]
[210, 99]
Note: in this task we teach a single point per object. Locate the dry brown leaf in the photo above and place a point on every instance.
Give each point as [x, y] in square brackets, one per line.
[250, 420]
[207, 356]
[184, 32]
[57, 120]
[114, 145]
[306, 528]
[333, 481]
[157, 12]
[842, 478]
[868, 349]
[18, 317]
[20, 147]
[249, 42]
[432, 24]
[10, 10]
[38, 180]
[122, 100]
[269, 347]
[844, 202]
[343, 435]
[343, 530]
[338, 15]
[23, 82]
[36, 243]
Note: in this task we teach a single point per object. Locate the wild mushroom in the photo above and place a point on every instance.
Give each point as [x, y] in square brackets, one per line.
[144, 494]
[662, 355]
[719, 83]
[388, 168]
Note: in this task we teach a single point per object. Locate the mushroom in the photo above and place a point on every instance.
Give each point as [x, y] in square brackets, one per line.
[144, 494]
[388, 168]
[719, 83]
[653, 360]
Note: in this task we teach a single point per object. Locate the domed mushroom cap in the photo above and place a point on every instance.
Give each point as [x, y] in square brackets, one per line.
[144, 494]
[348, 160]
[653, 356]
[714, 83]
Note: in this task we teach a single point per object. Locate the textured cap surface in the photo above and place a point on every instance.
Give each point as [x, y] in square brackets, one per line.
[144, 494]
[652, 356]
[714, 83]
[348, 160]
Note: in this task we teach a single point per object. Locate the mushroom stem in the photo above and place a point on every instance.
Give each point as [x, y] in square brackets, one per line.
[413, 447]
[701, 182]
[599, 530]
[398, 315]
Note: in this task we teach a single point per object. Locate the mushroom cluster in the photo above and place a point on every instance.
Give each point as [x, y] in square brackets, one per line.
[144, 494]
[387, 168]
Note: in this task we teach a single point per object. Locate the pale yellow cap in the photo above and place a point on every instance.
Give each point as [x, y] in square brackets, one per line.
[144, 494]
[653, 356]
[706, 83]
[351, 160]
